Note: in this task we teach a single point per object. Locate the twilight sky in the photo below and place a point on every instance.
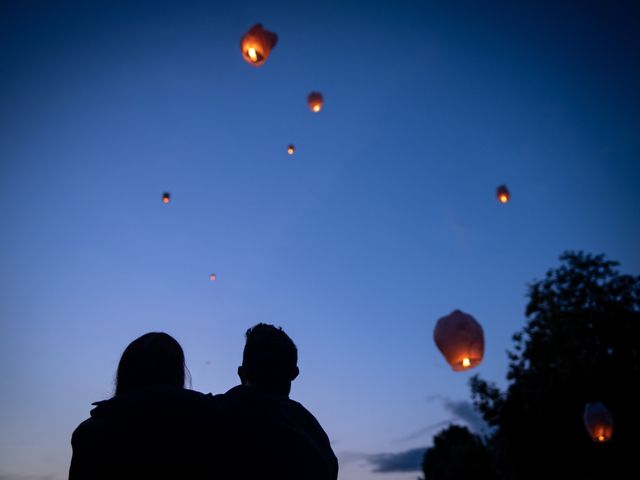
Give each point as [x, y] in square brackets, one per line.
[384, 219]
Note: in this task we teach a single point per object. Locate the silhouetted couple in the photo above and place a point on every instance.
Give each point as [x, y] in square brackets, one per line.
[154, 428]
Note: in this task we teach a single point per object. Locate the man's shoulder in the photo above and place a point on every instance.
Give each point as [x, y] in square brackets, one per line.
[238, 395]
[301, 410]
[195, 396]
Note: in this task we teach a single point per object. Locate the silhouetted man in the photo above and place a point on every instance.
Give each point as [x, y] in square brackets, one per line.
[268, 435]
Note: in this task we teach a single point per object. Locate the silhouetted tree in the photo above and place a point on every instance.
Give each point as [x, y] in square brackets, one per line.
[581, 343]
[457, 454]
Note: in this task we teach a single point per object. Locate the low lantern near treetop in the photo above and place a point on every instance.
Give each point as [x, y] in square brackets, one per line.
[598, 422]
[460, 338]
[256, 45]
[503, 194]
[166, 197]
[315, 101]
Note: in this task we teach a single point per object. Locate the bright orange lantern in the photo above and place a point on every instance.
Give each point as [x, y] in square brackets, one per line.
[256, 45]
[166, 197]
[460, 338]
[291, 149]
[598, 422]
[502, 192]
[314, 100]
[213, 277]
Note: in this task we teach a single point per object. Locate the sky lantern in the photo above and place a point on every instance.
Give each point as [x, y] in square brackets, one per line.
[291, 149]
[314, 100]
[256, 45]
[166, 197]
[460, 338]
[213, 277]
[503, 194]
[598, 422]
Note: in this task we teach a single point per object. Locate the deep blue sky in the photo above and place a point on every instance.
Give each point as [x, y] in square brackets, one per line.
[384, 220]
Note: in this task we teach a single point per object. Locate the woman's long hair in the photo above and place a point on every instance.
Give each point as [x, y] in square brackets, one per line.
[153, 359]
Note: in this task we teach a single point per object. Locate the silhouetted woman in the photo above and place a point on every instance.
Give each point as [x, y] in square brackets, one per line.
[153, 427]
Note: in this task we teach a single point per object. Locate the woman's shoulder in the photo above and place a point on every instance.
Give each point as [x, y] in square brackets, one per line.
[87, 430]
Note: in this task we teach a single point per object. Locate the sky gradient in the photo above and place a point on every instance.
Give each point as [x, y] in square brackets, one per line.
[384, 220]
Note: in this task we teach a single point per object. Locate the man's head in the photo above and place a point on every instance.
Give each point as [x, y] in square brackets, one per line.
[269, 360]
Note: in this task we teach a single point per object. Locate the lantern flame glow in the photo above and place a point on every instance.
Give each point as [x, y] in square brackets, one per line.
[256, 45]
[502, 192]
[598, 421]
[460, 339]
[315, 100]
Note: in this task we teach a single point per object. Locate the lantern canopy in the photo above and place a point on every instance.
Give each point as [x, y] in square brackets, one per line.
[256, 45]
[315, 101]
[213, 277]
[503, 194]
[598, 422]
[460, 338]
[166, 197]
[291, 149]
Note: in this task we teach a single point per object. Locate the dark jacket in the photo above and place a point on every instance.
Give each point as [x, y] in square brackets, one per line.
[271, 437]
[158, 433]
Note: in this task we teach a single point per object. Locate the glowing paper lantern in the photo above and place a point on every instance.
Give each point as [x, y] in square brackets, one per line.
[166, 197]
[460, 339]
[256, 45]
[598, 422]
[213, 277]
[291, 149]
[314, 100]
[503, 194]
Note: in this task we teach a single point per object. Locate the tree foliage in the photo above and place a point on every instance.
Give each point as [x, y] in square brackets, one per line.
[457, 454]
[580, 343]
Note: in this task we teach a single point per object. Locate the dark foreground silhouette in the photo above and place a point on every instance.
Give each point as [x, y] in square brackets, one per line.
[156, 433]
[154, 428]
[268, 435]
[579, 346]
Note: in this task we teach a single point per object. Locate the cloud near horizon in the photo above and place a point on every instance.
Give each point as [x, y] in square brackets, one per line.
[466, 412]
[410, 460]
[406, 461]
[463, 412]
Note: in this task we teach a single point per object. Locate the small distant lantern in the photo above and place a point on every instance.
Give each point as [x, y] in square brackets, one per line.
[314, 100]
[213, 277]
[598, 422]
[503, 194]
[256, 45]
[291, 149]
[460, 338]
[166, 197]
